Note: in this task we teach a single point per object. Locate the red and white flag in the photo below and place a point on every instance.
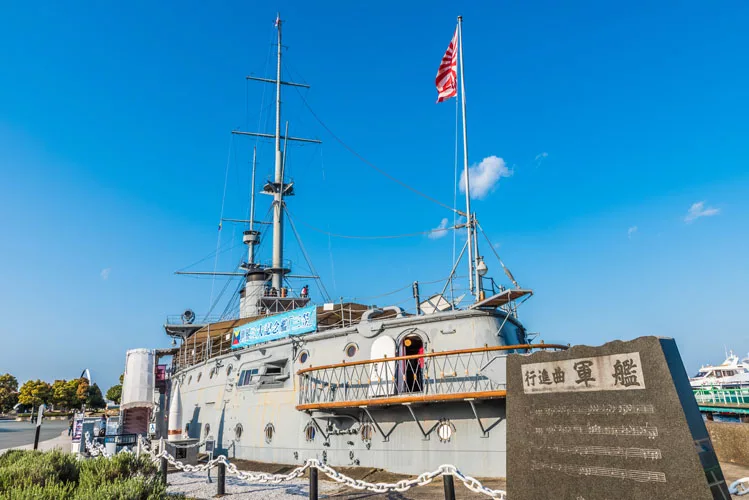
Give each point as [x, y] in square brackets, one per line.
[447, 75]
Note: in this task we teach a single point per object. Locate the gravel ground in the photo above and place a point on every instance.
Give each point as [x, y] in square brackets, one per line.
[195, 485]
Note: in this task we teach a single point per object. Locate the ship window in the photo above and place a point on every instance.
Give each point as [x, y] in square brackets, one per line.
[238, 431]
[273, 370]
[200, 375]
[189, 380]
[245, 377]
[351, 350]
[269, 431]
[445, 430]
[309, 432]
[303, 356]
[229, 369]
[207, 429]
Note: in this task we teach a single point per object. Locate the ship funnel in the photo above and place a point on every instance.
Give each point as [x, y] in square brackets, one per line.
[175, 414]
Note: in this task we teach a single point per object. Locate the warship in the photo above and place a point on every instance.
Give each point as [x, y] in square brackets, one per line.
[347, 383]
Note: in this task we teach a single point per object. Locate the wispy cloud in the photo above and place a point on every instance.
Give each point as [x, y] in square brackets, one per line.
[439, 231]
[632, 230]
[698, 210]
[105, 273]
[484, 176]
[540, 157]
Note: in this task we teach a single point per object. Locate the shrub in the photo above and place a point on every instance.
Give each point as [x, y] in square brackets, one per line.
[53, 475]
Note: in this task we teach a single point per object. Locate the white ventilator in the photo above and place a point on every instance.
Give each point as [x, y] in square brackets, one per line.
[138, 382]
[175, 414]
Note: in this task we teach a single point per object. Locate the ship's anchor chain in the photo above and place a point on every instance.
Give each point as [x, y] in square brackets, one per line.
[471, 483]
[739, 487]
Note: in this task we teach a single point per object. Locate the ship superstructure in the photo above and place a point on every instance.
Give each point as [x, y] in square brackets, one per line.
[345, 382]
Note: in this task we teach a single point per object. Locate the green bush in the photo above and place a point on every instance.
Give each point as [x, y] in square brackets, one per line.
[54, 475]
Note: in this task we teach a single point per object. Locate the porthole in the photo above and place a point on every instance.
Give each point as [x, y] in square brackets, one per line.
[309, 432]
[229, 370]
[366, 432]
[303, 357]
[445, 430]
[351, 350]
[207, 429]
[189, 380]
[200, 375]
[238, 431]
[212, 372]
[269, 431]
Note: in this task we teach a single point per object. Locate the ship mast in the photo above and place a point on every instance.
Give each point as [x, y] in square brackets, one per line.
[277, 265]
[474, 279]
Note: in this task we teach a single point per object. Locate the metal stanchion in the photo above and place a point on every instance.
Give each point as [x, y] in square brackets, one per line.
[38, 426]
[162, 469]
[221, 479]
[447, 480]
[313, 483]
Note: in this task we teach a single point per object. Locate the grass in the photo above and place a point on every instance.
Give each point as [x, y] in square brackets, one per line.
[54, 475]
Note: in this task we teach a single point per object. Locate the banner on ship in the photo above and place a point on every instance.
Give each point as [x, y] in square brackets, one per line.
[275, 327]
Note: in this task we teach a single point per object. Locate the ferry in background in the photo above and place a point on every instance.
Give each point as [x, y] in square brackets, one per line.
[732, 373]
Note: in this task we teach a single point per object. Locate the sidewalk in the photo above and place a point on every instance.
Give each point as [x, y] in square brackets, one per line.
[63, 441]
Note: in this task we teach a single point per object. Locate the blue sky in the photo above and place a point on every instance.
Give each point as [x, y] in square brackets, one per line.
[611, 120]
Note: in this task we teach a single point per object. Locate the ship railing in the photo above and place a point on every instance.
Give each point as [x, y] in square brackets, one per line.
[436, 376]
[724, 396]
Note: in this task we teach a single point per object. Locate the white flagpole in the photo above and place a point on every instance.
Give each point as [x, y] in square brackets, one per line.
[469, 220]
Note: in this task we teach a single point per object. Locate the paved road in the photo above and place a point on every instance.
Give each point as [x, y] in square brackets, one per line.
[14, 434]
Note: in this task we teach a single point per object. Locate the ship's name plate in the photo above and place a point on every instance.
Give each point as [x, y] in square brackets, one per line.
[616, 372]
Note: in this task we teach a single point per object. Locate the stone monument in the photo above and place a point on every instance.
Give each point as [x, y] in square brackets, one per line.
[613, 422]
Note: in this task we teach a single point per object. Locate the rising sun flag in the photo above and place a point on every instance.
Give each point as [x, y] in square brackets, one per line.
[447, 74]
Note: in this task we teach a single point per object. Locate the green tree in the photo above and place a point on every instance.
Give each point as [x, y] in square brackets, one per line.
[72, 389]
[64, 394]
[115, 393]
[81, 390]
[95, 400]
[35, 392]
[8, 392]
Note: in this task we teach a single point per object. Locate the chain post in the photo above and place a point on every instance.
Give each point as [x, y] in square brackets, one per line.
[162, 470]
[221, 479]
[313, 483]
[447, 481]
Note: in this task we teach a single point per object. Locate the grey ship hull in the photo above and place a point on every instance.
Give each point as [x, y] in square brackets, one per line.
[214, 404]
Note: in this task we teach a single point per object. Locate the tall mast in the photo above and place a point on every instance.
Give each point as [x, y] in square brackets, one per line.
[251, 249]
[473, 277]
[279, 186]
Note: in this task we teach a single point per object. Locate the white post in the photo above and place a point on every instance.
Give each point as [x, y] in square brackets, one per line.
[469, 219]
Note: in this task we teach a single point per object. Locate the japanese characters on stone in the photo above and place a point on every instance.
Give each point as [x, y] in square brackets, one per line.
[600, 373]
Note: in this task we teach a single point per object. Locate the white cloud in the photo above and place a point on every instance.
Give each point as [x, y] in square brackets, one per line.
[485, 176]
[698, 210]
[632, 230]
[540, 157]
[439, 231]
[105, 273]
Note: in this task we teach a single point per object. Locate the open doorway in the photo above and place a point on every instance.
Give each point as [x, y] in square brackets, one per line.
[411, 379]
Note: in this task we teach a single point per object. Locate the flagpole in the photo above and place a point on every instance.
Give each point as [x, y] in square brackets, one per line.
[469, 219]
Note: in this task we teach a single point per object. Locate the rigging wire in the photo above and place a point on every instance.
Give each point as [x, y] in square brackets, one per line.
[455, 196]
[320, 285]
[506, 270]
[223, 202]
[381, 237]
[369, 163]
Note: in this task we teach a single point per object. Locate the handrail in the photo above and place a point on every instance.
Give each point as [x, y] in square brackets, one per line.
[434, 354]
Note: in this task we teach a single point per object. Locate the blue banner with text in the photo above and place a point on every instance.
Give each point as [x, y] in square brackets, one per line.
[275, 327]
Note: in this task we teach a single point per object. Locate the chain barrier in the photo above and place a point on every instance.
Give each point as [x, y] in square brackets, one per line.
[95, 449]
[471, 483]
[739, 487]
